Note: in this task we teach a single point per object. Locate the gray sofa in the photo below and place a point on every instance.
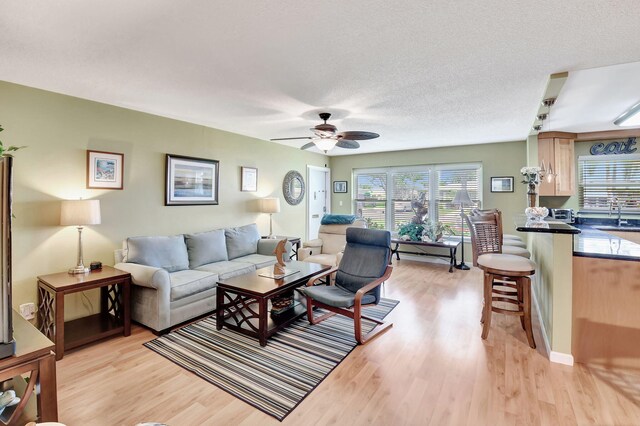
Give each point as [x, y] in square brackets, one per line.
[175, 277]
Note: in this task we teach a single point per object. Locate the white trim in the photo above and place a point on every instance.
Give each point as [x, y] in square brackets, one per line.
[327, 194]
[561, 358]
[557, 357]
[609, 157]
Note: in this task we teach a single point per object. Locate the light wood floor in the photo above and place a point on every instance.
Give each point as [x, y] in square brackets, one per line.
[431, 368]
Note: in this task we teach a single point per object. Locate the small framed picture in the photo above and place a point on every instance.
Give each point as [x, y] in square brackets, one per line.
[340, 187]
[502, 184]
[249, 179]
[104, 170]
[191, 181]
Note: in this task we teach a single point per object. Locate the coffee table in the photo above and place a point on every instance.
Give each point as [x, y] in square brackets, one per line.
[243, 302]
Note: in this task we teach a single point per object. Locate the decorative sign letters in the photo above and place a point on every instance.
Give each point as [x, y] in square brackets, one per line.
[621, 147]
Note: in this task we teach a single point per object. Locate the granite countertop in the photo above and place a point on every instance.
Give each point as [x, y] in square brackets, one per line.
[592, 242]
[548, 226]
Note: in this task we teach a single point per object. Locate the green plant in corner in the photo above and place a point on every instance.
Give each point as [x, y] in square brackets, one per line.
[6, 152]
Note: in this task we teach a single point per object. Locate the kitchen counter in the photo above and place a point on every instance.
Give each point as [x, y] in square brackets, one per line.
[547, 226]
[592, 242]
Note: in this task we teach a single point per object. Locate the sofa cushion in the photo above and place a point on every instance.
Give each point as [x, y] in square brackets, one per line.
[206, 247]
[228, 269]
[260, 260]
[169, 253]
[242, 241]
[189, 282]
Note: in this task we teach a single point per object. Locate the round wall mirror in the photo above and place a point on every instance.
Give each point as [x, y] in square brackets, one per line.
[293, 188]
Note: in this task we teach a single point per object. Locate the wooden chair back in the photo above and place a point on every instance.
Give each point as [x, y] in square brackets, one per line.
[478, 212]
[486, 231]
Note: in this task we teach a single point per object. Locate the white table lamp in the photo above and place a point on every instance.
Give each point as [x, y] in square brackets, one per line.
[462, 199]
[79, 213]
[271, 206]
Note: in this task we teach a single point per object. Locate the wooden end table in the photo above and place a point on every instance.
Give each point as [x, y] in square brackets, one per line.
[243, 301]
[34, 354]
[115, 307]
[296, 243]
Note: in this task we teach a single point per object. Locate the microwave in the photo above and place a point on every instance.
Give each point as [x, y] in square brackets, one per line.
[562, 215]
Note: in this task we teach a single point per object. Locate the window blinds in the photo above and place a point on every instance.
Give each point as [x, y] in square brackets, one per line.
[604, 179]
[383, 196]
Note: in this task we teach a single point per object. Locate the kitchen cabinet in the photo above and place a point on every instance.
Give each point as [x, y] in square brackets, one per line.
[556, 150]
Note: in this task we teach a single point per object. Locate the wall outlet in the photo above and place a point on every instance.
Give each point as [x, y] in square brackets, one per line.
[28, 311]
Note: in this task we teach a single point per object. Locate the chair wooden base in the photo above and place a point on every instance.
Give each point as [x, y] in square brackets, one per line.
[355, 315]
[521, 297]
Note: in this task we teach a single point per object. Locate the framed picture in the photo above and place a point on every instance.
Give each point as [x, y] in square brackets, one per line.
[104, 170]
[340, 187]
[191, 181]
[502, 184]
[249, 179]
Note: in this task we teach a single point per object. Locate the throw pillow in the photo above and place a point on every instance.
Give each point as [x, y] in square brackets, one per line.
[169, 253]
[206, 247]
[242, 241]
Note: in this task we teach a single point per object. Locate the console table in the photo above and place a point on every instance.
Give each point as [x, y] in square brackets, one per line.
[450, 244]
[34, 354]
[114, 316]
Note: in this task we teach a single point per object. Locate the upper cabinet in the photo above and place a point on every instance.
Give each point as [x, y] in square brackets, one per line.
[555, 150]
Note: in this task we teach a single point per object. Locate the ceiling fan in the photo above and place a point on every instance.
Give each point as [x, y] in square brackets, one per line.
[326, 136]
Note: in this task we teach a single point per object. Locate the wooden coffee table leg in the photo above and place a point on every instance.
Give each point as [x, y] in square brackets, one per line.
[219, 310]
[262, 321]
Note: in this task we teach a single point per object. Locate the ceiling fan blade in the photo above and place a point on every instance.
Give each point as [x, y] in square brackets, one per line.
[308, 145]
[344, 143]
[290, 139]
[358, 135]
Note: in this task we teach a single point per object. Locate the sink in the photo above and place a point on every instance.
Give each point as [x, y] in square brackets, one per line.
[628, 228]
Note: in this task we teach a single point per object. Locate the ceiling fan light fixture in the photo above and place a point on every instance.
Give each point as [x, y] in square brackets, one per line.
[629, 118]
[325, 144]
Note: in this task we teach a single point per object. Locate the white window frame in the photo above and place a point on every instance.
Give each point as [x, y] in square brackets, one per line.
[433, 184]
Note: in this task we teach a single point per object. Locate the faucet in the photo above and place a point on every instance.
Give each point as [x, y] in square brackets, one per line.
[616, 200]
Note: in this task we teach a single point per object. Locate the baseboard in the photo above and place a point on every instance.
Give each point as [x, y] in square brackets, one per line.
[561, 358]
[557, 357]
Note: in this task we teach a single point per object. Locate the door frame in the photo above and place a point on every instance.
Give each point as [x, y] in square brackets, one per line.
[328, 200]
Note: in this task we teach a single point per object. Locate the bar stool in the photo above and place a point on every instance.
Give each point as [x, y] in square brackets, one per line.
[506, 277]
[510, 244]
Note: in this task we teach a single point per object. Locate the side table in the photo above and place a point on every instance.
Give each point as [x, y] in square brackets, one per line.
[296, 242]
[34, 355]
[115, 307]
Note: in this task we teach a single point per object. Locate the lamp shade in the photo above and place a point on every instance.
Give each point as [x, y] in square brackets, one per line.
[462, 198]
[270, 205]
[325, 144]
[80, 212]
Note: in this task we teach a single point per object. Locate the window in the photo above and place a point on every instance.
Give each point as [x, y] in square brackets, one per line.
[450, 181]
[383, 196]
[606, 178]
[371, 198]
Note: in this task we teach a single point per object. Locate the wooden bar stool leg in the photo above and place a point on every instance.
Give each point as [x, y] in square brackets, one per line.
[519, 283]
[526, 291]
[488, 290]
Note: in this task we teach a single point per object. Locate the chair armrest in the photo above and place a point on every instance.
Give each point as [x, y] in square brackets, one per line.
[305, 252]
[361, 292]
[146, 276]
[267, 246]
[321, 275]
[313, 243]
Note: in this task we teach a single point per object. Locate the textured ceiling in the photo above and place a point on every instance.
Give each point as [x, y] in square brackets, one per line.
[421, 73]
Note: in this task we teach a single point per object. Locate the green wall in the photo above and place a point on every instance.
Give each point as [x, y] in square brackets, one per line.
[498, 159]
[59, 129]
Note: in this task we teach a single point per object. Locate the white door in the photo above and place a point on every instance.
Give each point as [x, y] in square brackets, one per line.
[318, 202]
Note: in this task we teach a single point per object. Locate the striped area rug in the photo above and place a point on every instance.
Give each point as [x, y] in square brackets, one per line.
[274, 378]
